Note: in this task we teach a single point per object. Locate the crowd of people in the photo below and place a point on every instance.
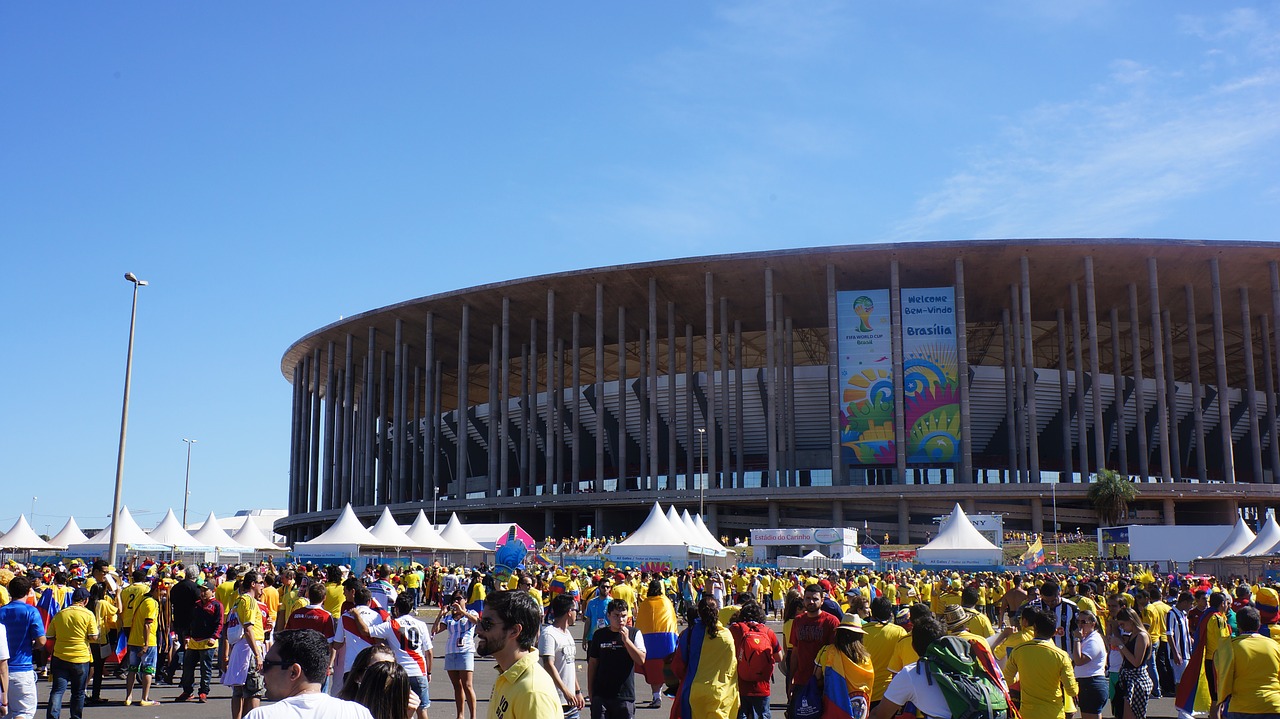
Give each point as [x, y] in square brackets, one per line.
[330, 641]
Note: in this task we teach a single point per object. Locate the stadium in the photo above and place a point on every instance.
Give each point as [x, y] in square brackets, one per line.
[869, 386]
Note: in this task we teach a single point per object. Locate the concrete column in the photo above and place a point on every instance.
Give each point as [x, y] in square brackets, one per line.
[330, 421]
[598, 482]
[899, 408]
[642, 382]
[1037, 515]
[1020, 378]
[690, 432]
[575, 411]
[1033, 434]
[672, 445]
[1269, 387]
[1157, 354]
[1117, 386]
[314, 494]
[504, 405]
[550, 442]
[1011, 424]
[712, 519]
[651, 386]
[1140, 392]
[1168, 513]
[1220, 365]
[1082, 414]
[770, 477]
[962, 374]
[548, 523]
[709, 365]
[1091, 317]
[429, 435]
[774, 514]
[789, 418]
[837, 513]
[739, 368]
[1064, 394]
[493, 452]
[1197, 391]
[462, 468]
[904, 521]
[1250, 386]
[1171, 392]
[726, 407]
[383, 472]
[294, 438]
[970, 505]
[622, 399]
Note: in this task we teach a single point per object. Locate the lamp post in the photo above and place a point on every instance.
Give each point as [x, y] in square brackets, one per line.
[702, 479]
[434, 503]
[124, 419]
[1054, 493]
[33, 508]
[186, 492]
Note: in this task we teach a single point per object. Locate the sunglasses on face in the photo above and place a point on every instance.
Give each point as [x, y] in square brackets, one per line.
[268, 663]
[488, 623]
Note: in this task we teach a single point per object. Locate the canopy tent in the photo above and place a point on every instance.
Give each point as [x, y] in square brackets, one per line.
[251, 535]
[128, 536]
[212, 534]
[487, 535]
[815, 554]
[170, 533]
[959, 544]
[345, 536]
[389, 534]
[22, 536]
[69, 534]
[1240, 538]
[1268, 537]
[455, 534]
[708, 537]
[673, 518]
[853, 556]
[655, 541]
[425, 535]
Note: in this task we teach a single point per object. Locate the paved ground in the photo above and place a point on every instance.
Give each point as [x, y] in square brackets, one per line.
[219, 705]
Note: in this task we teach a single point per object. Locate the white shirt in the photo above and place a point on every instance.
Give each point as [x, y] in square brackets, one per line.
[352, 644]
[918, 687]
[1095, 649]
[314, 704]
[560, 646]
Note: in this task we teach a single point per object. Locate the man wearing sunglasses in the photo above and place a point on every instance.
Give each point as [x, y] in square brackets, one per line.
[507, 631]
[293, 671]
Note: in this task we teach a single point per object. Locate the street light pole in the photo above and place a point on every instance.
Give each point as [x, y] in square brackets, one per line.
[702, 479]
[434, 503]
[124, 420]
[186, 492]
[1056, 557]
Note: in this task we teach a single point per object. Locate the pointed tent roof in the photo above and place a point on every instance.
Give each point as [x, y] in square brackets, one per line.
[389, 533]
[170, 531]
[251, 535]
[346, 530]
[853, 556]
[22, 536]
[654, 531]
[674, 519]
[425, 535]
[815, 554]
[705, 533]
[128, 533]
[1268, 537]
[454, 534]
[690, 528]
[959, 533]
[69, 534]
[1240, 538]
[211, 534]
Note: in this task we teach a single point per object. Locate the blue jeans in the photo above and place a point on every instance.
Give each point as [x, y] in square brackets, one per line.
[190, 658]
[754, 708]
[68, 676]
[1150, 667]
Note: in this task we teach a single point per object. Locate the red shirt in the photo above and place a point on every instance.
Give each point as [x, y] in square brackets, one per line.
[808, 635]
[311, 617]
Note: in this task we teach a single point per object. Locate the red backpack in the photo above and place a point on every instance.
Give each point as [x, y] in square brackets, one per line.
[755, 653]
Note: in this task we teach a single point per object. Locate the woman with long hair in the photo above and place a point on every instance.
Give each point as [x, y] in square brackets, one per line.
[104, 610]
[384, 691]
[459, 652]
[1135, 684]
[367, 656]
[845, 672]
[1089, 656]
[706, 664]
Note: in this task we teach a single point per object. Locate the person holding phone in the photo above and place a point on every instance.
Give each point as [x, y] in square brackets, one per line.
[459, 656]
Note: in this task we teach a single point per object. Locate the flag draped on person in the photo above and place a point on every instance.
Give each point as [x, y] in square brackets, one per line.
[710, 684]
[1193, 676]
[844, 685]
[1034, 556]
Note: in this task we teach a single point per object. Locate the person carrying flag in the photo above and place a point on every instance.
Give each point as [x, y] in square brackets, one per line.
[705, 662]
[656, 620]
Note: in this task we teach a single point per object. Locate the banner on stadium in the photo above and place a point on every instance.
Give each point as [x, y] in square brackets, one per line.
[930, 375]
[865, 351]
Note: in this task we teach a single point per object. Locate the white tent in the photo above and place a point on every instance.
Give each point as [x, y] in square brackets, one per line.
[673, 518]
[425, 535]
[488, 535]
[1268, 537]
[853, 556]
[390, 534]
[251, 535]
[22, 536]
[815, 554]
[212, 534]
[455, 534]
[345, 536]
[1240, 538]
[129, 536]
[711, 541]
[654, 541]
[69, 534]
[960, 544]
[170, 532]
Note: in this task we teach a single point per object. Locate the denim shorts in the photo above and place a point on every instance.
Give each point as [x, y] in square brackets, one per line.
[418, 685]
[142, 660]
[1093, 694]
[460, 662]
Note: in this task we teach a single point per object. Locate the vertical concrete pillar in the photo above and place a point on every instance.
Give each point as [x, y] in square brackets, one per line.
[559, 415]
[433, 421]
[548, 523]
[1157, 354]
[739, 368]
[575, 411]
[330, 421]
[899, 410]
[313, 493]
[712, 519]
[462, 468]
[774, 514]
[493, 452]
[1010, 417]
[504, 405]
[1091, 317]
[904, 521]
[1140, 391]
[1033, 432]
[622, 399]
[651, 386]
[550, 441]
[690, 432]
[726, 407]
[1170, 391]
[1064, 395]
[642, 381]
[1168, 513]
[769, 479]
[713, 476]
[1220, 365]
[1117, 388]
[672, 371]
[789, 418]
[1250, 386]
[970, 505]
[1269, 387]
[1197, 391]
[962, 374]
[1037, 515]
[1082, 414]
[598, 482]
[1020, 378]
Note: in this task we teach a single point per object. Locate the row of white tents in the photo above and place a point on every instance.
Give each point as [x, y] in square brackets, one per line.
[1242, 549]
[670, 537]
[348, 536]
[167, 536]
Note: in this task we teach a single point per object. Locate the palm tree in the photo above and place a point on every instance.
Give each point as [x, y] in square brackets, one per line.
[1111, 494]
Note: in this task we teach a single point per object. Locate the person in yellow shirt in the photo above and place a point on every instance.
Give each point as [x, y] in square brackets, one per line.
[245, 654]
[1044, 673]
[227, 591]
[104, 610]
[131, 596]
[70, 631]
[334, 594]
[143, 648]
[881, 639]
[1249, 669]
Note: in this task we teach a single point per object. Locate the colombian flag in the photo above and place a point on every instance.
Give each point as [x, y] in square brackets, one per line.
[846, 686]
[1193, 678]
[1034, 556]
[708, 671]
[656, 620]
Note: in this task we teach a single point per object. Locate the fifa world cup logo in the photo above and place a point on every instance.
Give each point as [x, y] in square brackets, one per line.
[862, 307]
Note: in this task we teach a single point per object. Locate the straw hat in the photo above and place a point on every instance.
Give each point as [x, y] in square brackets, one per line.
[852, 623]
[955, 617]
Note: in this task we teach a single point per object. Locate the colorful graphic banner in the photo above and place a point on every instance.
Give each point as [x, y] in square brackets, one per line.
[866, 377]
[930, 377]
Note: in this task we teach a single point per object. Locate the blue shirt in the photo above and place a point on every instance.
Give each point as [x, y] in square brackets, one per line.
[597, 615]
[24, 625]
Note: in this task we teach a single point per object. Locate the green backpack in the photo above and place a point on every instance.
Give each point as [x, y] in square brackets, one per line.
[970, 690]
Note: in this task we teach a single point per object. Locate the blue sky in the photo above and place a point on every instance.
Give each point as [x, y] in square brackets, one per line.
[269, 168]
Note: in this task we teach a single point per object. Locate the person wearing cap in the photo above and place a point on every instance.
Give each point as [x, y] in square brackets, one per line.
[71, 630]
[847, 660]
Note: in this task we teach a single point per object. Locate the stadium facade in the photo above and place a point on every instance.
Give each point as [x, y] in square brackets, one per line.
[869, 386]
